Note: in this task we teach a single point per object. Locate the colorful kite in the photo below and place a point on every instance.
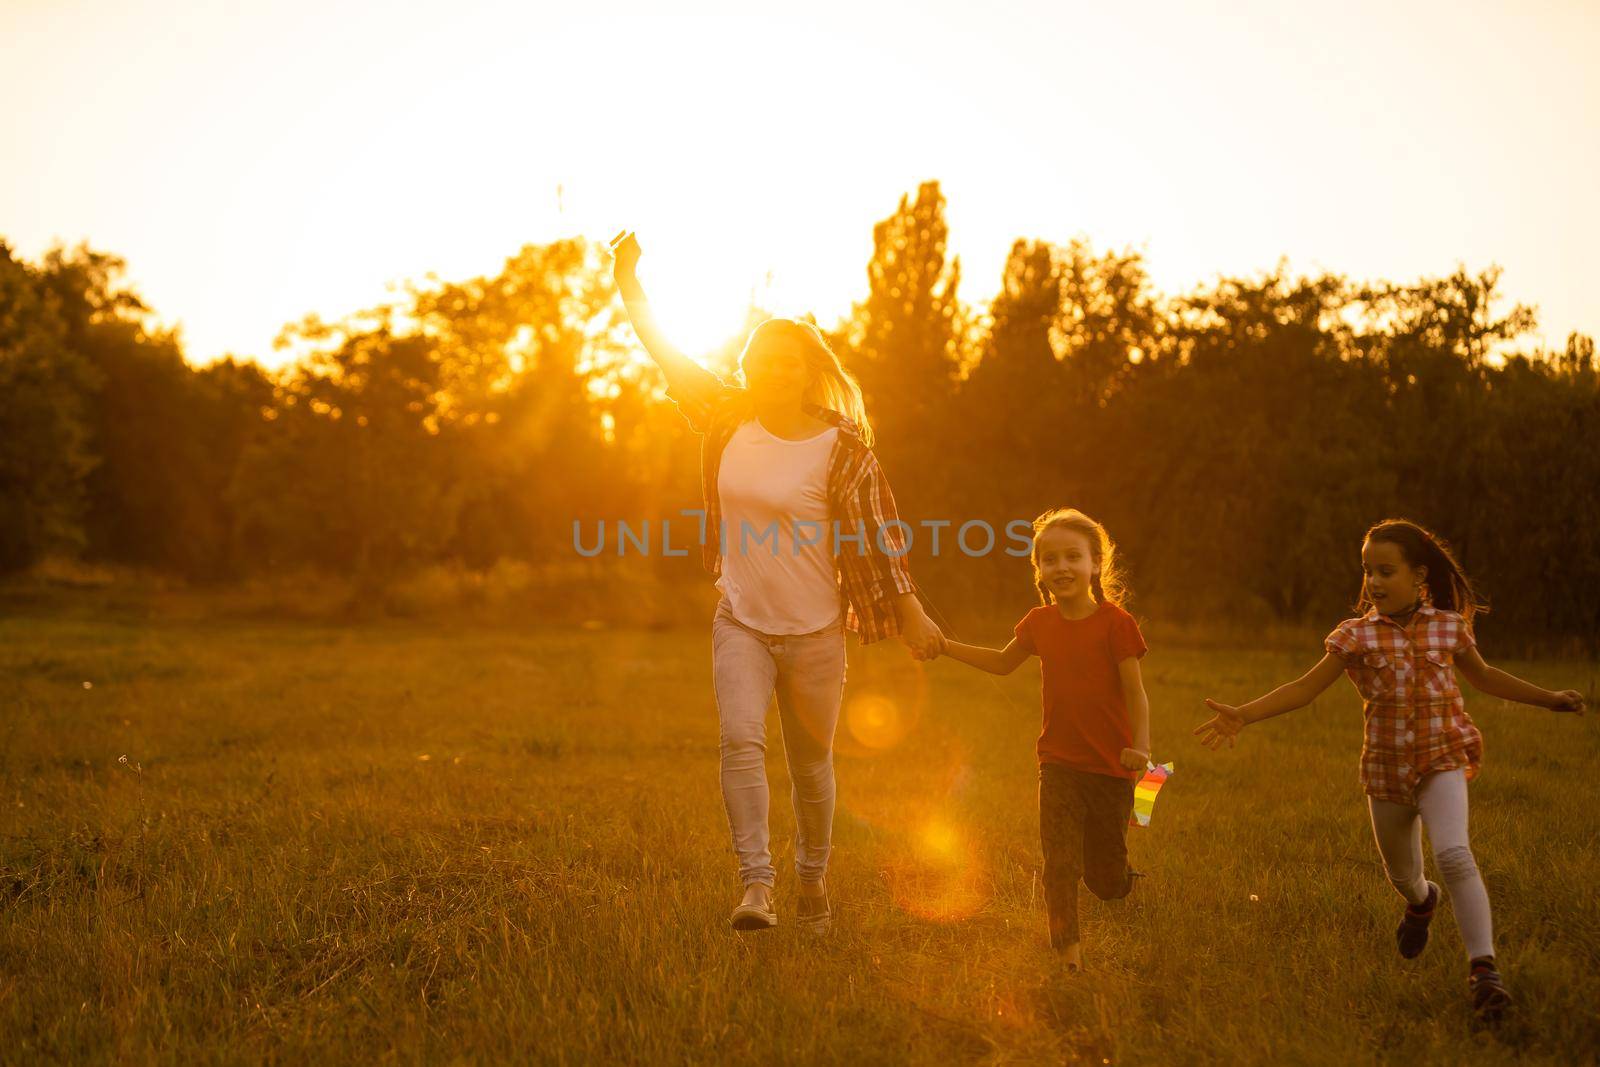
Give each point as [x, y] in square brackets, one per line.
[1144, 793]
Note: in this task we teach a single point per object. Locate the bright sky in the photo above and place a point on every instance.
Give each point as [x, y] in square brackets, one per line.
[257, 161]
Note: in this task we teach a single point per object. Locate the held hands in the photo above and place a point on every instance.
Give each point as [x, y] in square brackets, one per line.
[921, 636]
[1134, 759]
[1224, 726]
[1568, 700]
[625, 253]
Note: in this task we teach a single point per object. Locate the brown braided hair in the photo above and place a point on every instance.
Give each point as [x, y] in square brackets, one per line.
[1110, 583]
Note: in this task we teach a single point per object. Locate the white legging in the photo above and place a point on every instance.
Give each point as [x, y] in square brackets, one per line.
[1442, 805]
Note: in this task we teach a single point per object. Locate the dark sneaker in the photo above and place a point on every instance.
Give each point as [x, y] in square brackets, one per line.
[1412, 933]
[813, 914]
[1489, 997]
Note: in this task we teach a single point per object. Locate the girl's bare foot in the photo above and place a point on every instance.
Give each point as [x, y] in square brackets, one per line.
[1072, 958]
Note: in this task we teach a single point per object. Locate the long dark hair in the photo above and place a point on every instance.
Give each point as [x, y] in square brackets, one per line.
[1447, 584]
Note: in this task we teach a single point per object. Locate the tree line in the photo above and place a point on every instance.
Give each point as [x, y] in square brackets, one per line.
[1236, 439]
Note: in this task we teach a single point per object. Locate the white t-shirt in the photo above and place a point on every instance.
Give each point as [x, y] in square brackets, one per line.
[777, 567]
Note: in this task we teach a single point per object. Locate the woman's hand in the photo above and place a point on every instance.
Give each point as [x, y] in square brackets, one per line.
[1567, 700]
[1134, 760]
[625, 254]
[921, 636]
[1224, 726]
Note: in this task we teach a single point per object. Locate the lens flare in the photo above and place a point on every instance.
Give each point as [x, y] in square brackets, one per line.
[876, 722]
[883, 706]
[939, 842]
[939, 874]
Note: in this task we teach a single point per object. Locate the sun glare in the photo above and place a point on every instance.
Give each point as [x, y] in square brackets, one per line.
[876, 722]
[940, 842]
[700, 300]
[942, 877]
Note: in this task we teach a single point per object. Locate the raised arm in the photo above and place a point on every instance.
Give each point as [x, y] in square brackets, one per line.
[994, 660]
[1498, 683]
[1229, 720]
[682, 372]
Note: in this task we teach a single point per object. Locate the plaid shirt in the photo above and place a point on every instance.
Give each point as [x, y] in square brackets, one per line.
[1415, 721]
[859, 502]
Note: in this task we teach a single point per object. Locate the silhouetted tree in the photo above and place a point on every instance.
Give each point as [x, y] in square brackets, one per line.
[904, 341]
[44, 434]
[1237, 439]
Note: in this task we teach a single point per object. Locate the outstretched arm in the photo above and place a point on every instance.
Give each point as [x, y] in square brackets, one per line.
[682, 372]
[1229, 720]
[994, 660]
[1498, 683]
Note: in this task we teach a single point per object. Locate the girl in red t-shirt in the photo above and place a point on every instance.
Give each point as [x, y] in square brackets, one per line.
[1096, 737]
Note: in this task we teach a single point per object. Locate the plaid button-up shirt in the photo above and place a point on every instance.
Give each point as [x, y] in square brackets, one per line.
[1416, 723]
[865, 529]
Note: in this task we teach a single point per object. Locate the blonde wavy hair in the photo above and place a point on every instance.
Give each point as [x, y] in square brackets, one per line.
[1110, 584]
[828, 384]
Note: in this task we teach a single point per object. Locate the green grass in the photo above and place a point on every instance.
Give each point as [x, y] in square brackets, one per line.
[402, 842]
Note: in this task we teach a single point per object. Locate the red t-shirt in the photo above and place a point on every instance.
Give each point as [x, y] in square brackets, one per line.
[1086, 723]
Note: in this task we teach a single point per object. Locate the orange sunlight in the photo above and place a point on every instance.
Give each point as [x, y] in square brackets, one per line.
[941, 878]
[336, 149]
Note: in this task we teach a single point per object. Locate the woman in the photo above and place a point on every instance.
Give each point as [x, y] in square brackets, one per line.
[801, 527]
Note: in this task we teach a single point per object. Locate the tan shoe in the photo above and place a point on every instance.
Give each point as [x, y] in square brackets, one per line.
[812, 914]
[758, 915]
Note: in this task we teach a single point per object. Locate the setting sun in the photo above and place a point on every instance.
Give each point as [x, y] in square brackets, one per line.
[701, 301]
[742, 144]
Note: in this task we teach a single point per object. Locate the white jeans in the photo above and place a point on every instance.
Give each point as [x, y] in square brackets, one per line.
[1442, 806]
[807, 673]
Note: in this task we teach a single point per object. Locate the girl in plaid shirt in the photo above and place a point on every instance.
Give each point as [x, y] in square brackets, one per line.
[1419, 748]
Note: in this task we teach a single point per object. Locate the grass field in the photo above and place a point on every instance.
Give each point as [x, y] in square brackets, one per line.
[407, 842]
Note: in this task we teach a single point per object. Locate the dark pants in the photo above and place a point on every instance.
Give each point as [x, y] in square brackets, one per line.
[1083, 828]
